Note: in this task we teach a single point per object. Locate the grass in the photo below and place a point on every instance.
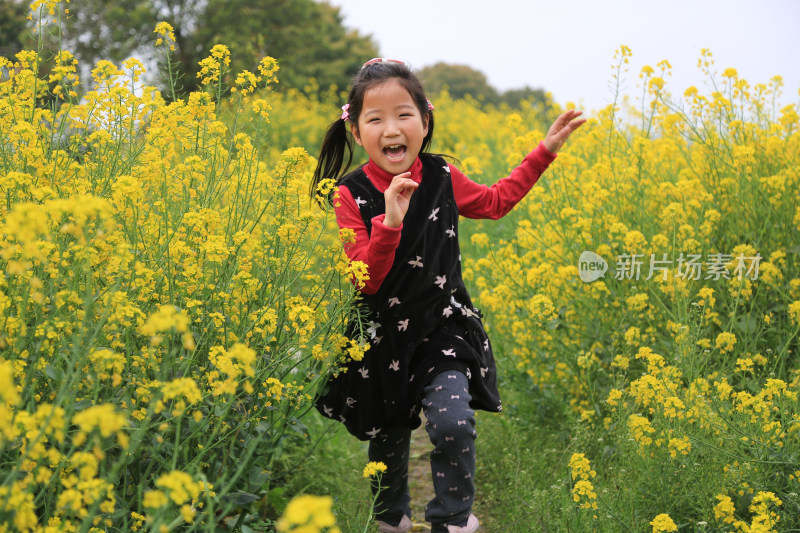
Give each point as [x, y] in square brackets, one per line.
[333, 465]
[522, 460]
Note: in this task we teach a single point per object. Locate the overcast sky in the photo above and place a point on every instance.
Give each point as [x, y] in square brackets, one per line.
[567, 46]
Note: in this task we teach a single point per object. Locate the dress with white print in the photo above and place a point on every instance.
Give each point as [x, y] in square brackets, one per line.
[421, 320]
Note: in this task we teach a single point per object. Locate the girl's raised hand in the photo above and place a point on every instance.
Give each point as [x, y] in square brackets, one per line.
[561, 129]
[397, 198]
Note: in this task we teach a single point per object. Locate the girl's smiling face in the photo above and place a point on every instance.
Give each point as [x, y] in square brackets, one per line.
[390, 127]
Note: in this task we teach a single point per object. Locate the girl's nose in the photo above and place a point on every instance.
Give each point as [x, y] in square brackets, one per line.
[391, 129]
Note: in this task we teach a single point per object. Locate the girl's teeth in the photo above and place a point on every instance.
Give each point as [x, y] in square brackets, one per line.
[394, 151]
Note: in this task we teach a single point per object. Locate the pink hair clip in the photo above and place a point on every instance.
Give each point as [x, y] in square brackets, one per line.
[430, 105]
[382, 60]
[345, 111]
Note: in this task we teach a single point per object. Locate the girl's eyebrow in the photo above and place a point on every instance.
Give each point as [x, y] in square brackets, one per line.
[398, 107]
[371, 111]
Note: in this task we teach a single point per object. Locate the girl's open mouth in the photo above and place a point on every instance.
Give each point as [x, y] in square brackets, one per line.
[395, 152]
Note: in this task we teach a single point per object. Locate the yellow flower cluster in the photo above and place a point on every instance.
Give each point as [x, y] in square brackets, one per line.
[180, 489]
[166, 35]
[236, 363]
[183, 392]
[663, 523]
[374, 468]
[168, 292]
[583, 491]
[308, 514]
[670, 352]
[762, 509]
[213, 67]
[104, 418]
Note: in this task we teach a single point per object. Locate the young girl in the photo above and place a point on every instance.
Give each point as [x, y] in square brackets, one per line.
[428, 348]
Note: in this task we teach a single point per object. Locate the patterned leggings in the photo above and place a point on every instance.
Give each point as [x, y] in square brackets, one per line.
[451, 427]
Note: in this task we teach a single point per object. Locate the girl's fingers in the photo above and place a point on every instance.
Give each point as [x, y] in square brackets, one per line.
[402, 184]
[569, 115]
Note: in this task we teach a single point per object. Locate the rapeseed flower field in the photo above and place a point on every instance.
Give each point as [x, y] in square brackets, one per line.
[652, 283]
[171, 298]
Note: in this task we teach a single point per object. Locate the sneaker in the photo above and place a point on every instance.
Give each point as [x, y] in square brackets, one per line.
[403, 527]
[471, 527]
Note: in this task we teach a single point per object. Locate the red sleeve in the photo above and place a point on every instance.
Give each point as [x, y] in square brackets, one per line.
[479, 201]
[377, 251]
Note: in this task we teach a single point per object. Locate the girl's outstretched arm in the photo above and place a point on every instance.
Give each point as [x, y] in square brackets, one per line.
[561, 129]
[476, 200]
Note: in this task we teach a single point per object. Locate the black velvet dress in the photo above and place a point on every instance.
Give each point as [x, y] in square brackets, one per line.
[419, 323]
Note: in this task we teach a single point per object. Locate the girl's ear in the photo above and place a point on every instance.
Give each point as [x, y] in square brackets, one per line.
[354, 131]
[425, 121]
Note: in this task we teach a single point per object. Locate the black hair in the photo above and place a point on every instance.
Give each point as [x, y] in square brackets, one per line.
[336, 153]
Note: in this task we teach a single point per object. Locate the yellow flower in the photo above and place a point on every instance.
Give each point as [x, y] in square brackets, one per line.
[662, 523]
[212, 67]
[246, 82]
[581, 467]
[744, 365]
[614, 396]
[725, 342]
[724, 509]
[729, 73]
[183, 390]
[268, 67]
[164, 29]
[347, 236]
[8, 389]
[356, 350]
[188, 513]
[633, 336]
[358, 272]
[583, 493]
[641, 429]
[674, 407]
[707, 296]
[308, 510]
[166, 318]
[679, 446]
[180, 486]
[374, 468]
[154, 499]
[794, 312]
[480, 239]
[102, 417]
[138, 520]
[620, 361]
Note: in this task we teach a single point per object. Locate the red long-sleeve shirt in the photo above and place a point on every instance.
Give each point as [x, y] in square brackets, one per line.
[474, 200]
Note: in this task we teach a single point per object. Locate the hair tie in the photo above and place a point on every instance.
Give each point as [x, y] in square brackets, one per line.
[430, 105]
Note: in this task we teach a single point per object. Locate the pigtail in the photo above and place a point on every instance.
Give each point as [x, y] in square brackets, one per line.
[331, 163]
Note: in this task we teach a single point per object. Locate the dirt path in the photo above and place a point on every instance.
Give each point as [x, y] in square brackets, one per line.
[419, 476]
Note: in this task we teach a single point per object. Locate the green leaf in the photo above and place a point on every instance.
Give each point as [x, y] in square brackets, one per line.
[257, 477]
[747, 325]
[241, 498]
